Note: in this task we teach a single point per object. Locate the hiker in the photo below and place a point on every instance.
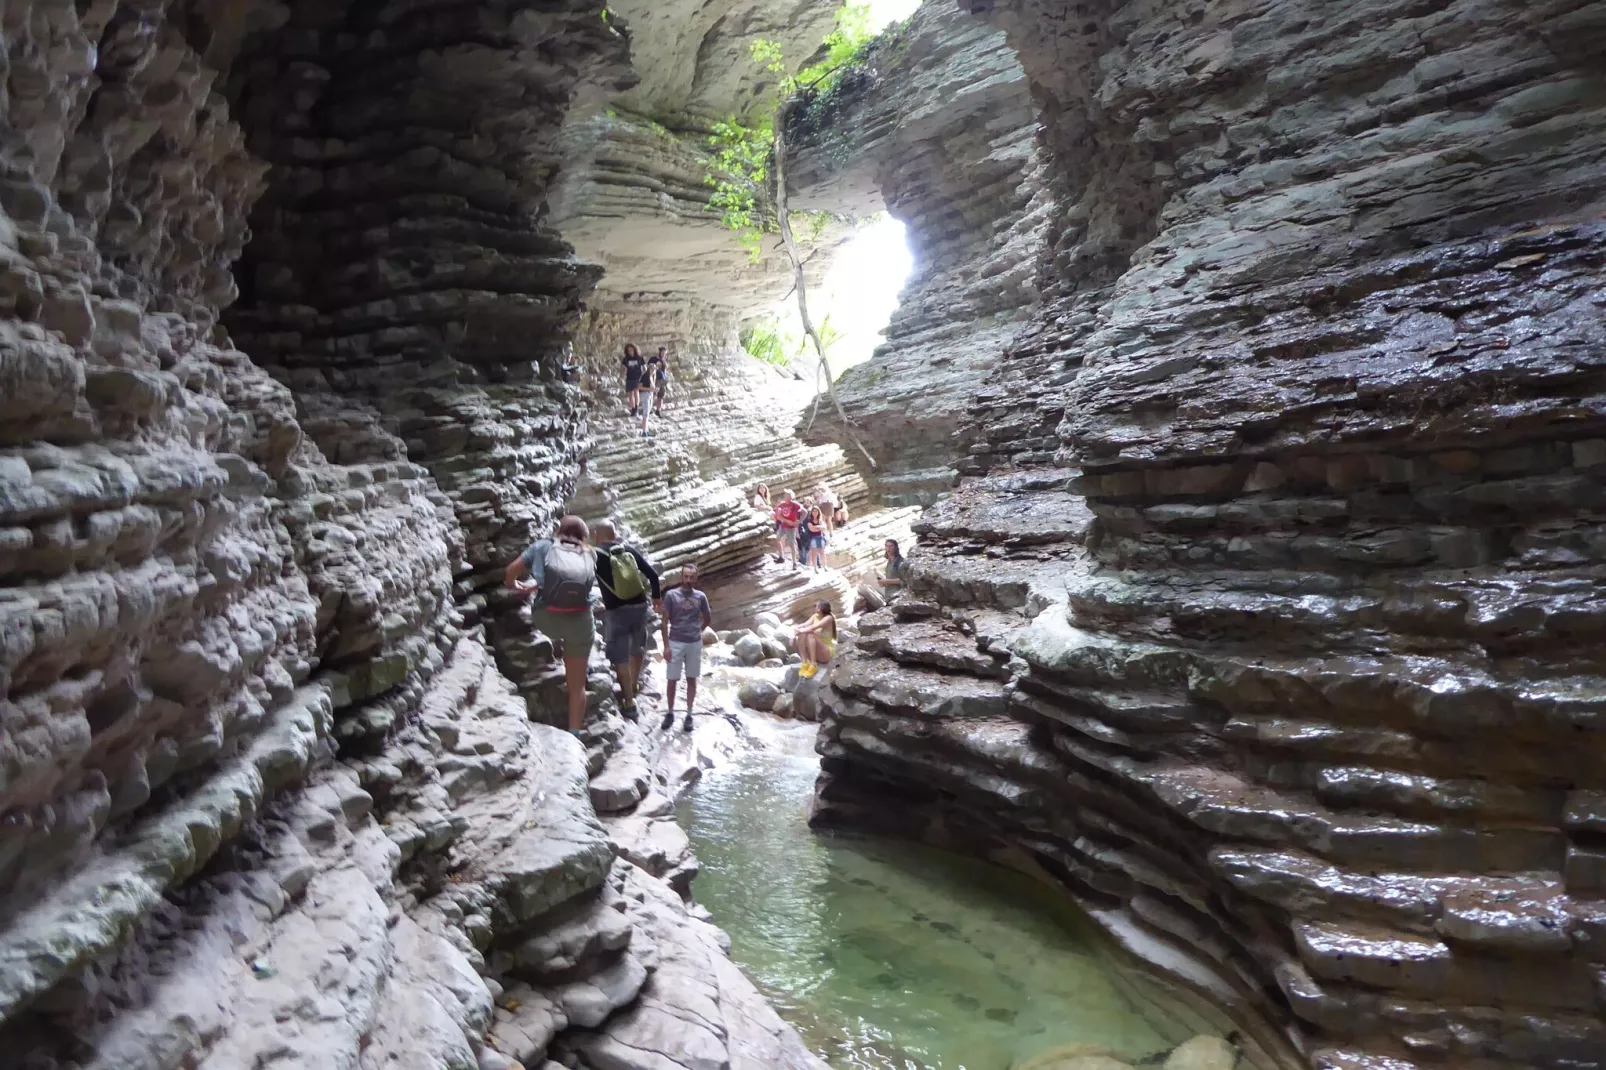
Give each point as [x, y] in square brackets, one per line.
[788, 514]
[626, 578]
[812, 535]
[761, 499]
[826, 499]
[558, 573]
[839, 515]
[685, 615]
[644, 397]
[635, 370]
[802, 533]
[660, 378]
[874, 597]
[816, 640]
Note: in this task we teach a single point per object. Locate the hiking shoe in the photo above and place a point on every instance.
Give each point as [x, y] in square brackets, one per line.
[669, 721]
[686, 725]
[628, 709]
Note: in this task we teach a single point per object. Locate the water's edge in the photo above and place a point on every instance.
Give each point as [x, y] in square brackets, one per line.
[894, 956]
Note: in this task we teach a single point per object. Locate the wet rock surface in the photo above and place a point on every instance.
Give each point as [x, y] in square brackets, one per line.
[273, 786]
[1264, 622]
[937, 127]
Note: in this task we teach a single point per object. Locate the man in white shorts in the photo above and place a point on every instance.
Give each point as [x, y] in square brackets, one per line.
[686, 614]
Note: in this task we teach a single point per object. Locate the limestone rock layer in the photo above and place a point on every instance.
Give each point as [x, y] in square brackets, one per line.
[936, 126]
[270, 793]
[1270, 629]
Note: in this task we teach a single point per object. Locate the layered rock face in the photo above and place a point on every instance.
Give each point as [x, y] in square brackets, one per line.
[1287, 663]
[936, 127]
[213, 579]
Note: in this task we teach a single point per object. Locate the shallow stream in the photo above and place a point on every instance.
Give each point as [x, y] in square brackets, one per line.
[888, 955]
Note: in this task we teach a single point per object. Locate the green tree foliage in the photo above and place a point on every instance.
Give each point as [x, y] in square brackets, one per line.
[739, 157]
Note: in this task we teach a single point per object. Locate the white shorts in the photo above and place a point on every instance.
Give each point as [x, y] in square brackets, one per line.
[684, 656]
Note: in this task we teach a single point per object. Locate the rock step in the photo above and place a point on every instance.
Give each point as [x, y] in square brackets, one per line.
[937, 643]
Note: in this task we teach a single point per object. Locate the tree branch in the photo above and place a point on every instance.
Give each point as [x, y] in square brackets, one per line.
[801, 286]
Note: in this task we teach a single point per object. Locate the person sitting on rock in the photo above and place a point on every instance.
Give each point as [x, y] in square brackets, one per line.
[839, 515]
[788, 515]
[626, 578]
[558, 573]
[813, 535]
[635, 371]
[685, 615]
[874, 598]
[816, 639]
[659, 366]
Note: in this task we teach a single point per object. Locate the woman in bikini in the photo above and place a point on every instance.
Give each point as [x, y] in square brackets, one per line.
[816, 640]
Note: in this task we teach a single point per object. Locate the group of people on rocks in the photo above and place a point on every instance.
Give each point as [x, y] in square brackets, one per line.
[560, 575]
[646, 382]
[803, 529]
[563, 574]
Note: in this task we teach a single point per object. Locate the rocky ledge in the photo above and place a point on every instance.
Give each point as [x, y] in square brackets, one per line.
[1281, 655]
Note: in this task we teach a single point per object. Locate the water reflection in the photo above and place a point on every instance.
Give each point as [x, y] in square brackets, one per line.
[890, 956]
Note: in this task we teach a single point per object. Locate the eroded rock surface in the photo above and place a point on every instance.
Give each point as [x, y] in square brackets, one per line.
[936, 126]
[269, 788]
[1282, 653]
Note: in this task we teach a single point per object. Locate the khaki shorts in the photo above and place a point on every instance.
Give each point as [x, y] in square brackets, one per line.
[572, 630]
[684, 658]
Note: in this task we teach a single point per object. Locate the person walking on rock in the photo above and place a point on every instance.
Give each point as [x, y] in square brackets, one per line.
[826, 499]
[559, 574]
[660, 379]
[626, 578]
[816, 639]
[635, 371]
[685, 615]
[788, 514]
[649, 384]
[813, 536]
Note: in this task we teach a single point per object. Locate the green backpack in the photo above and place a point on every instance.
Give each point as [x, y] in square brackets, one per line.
[628, 581]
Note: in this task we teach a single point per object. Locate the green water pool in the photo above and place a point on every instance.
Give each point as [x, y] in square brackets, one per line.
[892, 956]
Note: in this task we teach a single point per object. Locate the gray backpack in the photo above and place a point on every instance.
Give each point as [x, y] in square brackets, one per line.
[570, 571]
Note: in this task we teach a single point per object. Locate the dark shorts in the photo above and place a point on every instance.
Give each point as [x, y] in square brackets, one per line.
[624, 633]
[632, 385]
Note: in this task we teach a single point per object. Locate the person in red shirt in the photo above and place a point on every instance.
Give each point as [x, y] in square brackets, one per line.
[788, 513]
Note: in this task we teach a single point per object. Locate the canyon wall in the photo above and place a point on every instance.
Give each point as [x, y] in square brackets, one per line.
[270, 790]
[935, 125]
[1268, 623]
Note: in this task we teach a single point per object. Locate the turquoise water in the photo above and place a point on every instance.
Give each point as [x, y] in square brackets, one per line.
[886, 955]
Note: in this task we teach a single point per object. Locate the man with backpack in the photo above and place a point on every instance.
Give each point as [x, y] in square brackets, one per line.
[558, 573]
[625, 577]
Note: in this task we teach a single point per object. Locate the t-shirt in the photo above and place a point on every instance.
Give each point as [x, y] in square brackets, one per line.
[605, 576]
[787, 514]
[634, 366]
[760, 503]
[895, 568]
[686, 611]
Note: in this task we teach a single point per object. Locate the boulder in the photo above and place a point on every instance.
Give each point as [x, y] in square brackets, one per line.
[749, 649]
[774, 649]
[783, 704]
[759, 695]
[767, 620]
[806, 697]
[710, 637]
[790, 680]
[1203, 1053]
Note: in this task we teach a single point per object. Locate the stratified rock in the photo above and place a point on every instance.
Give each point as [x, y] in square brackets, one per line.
[1267, 625]
[936, 126]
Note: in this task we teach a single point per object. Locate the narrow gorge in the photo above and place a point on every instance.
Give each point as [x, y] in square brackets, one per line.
[1244, 420]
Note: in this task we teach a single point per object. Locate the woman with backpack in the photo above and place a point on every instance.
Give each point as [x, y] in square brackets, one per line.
[558, 574]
